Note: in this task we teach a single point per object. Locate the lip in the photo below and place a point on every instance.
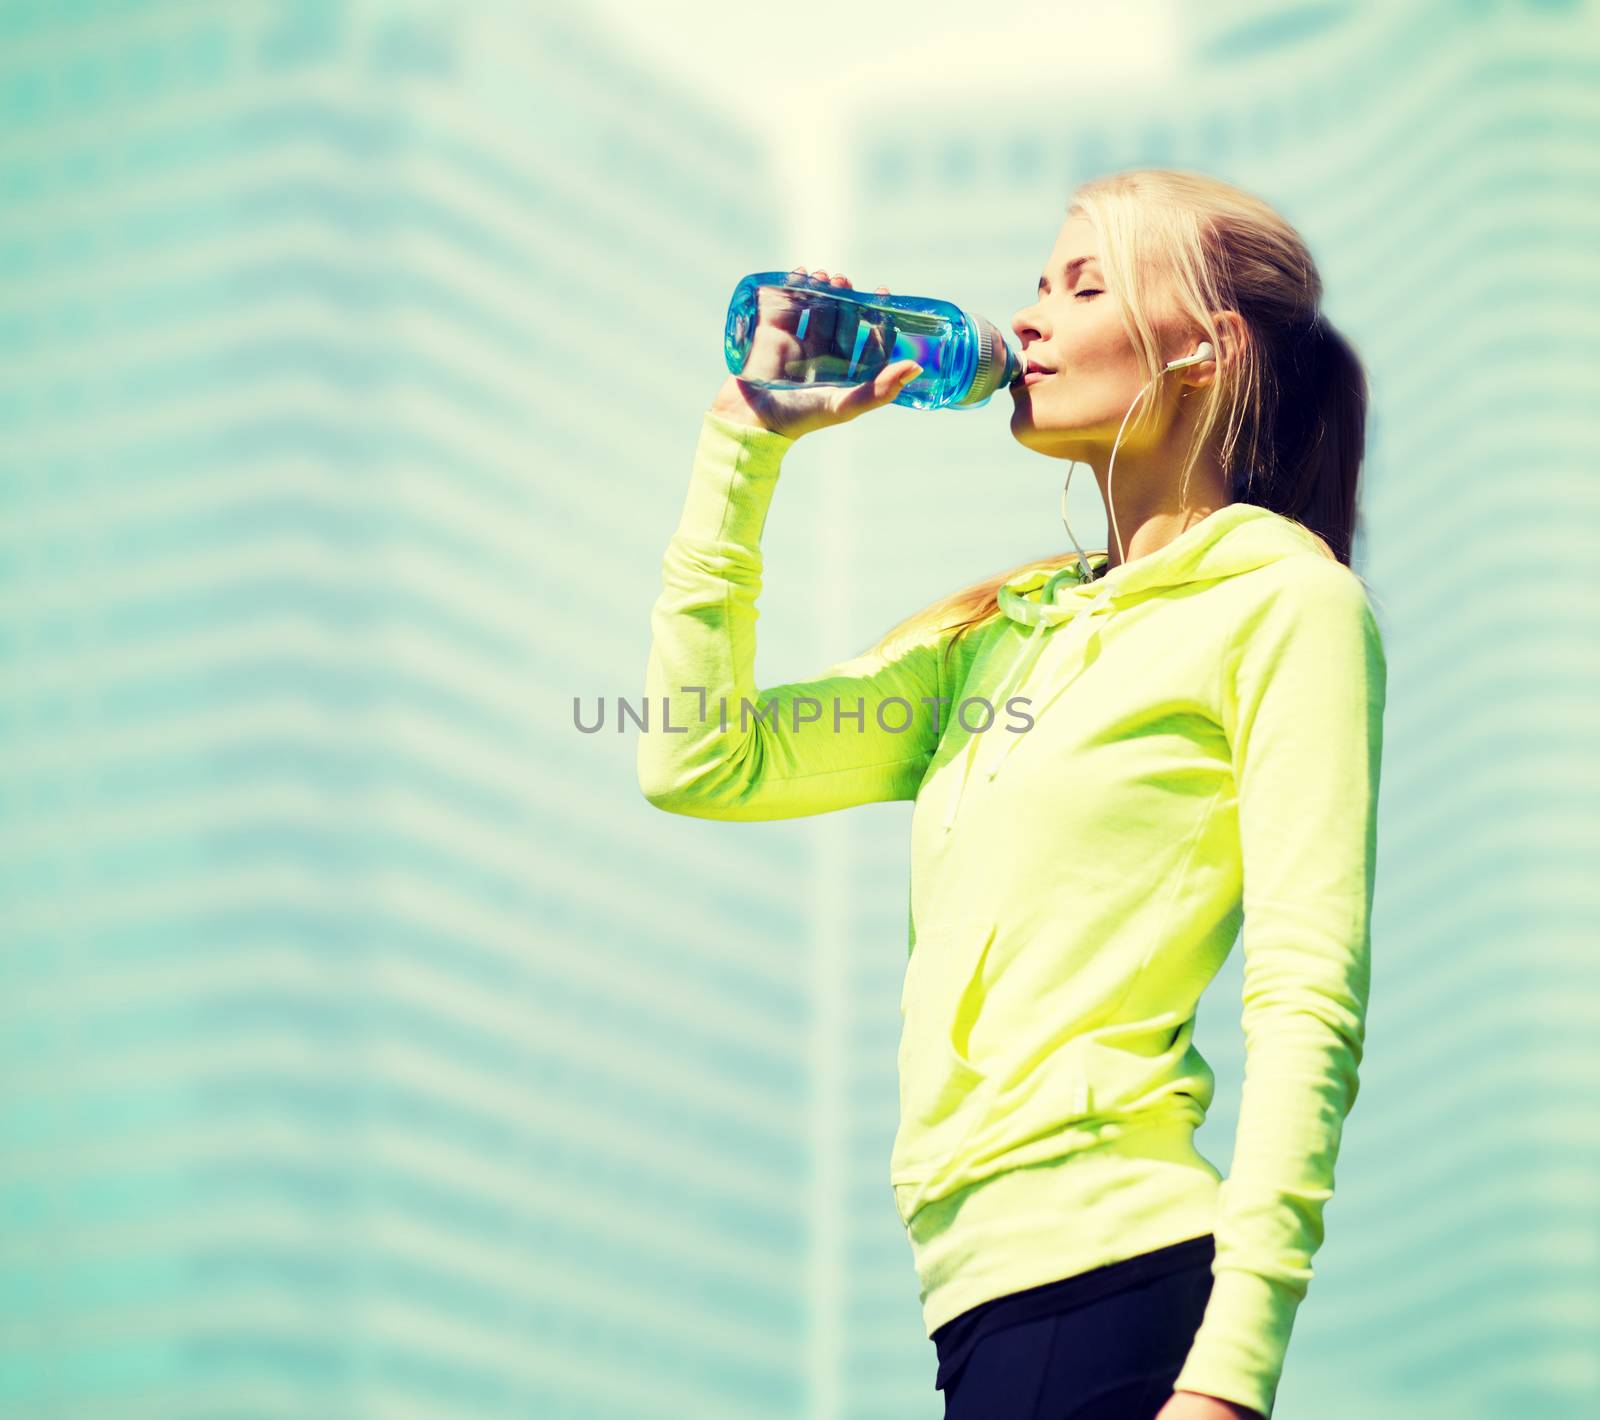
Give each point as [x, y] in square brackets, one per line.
[1032, 377]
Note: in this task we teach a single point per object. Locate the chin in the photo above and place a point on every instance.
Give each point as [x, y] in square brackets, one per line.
[1059, 443]
[1038, 440]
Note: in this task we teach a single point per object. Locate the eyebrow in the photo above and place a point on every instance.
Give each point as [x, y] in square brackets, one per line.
[1072, 269]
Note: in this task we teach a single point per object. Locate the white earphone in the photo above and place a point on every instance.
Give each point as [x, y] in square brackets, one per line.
[1203, 351]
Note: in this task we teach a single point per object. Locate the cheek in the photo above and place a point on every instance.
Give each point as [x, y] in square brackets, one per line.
[1091, 346]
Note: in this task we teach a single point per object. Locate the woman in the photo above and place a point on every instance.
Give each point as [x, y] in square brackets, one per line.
[1193, 744]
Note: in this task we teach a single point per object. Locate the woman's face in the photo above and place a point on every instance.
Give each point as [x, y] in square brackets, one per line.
[1074, 330]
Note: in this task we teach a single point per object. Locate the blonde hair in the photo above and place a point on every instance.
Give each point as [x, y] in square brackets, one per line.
[1288, 416]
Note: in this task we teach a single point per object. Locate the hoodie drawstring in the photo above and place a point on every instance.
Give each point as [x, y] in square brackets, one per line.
[969, 753]
[1025, 664]
[1060, 690]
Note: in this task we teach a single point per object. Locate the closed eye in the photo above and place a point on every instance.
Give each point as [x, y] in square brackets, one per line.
[1082, 294]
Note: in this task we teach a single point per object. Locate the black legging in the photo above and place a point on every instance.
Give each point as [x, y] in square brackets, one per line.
[1112, 1358]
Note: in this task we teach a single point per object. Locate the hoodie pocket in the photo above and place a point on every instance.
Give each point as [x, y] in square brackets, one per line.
[940, 1085]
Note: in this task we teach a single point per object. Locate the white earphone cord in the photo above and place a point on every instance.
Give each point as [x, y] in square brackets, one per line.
[1202, 352]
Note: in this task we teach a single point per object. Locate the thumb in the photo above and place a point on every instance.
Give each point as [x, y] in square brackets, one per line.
[891, 379]
[878, 391]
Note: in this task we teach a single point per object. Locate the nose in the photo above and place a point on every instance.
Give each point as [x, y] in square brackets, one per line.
[1022, 325]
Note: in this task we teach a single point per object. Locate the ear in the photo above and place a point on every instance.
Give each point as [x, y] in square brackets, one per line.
[1229, 345]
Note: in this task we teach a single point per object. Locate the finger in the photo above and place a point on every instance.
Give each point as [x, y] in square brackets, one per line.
[819, 331]
[892, 379]
[879, 390]
[780, 309]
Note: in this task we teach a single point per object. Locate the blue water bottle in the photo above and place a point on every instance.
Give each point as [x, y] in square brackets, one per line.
[788, 328]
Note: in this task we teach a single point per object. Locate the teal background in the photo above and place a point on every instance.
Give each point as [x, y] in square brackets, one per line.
[368, 1045]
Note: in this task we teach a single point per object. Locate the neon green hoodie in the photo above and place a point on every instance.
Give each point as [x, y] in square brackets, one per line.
[1185, 745]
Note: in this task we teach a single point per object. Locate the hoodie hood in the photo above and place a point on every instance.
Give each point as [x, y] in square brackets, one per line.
[1235, 538]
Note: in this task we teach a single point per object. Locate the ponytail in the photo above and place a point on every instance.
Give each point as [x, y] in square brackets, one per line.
[1311, 436]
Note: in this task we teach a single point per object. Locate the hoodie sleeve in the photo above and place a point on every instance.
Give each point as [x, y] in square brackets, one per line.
[1303, 702]
[862, 731]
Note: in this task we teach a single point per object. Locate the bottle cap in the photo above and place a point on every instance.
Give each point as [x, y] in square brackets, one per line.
[998, 365]
[1016, 365]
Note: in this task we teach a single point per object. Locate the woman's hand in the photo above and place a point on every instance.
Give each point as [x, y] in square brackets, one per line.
[778, 345]
[1192, 1405]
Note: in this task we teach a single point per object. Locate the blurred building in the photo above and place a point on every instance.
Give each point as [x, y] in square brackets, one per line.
[357, 1059]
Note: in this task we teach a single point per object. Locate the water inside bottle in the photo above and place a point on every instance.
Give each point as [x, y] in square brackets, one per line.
[816, 338]
[789, 330]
